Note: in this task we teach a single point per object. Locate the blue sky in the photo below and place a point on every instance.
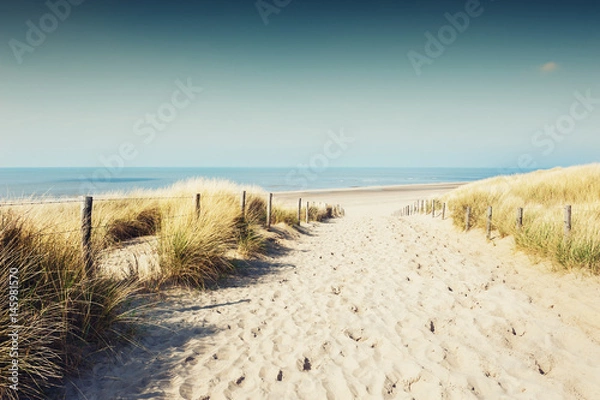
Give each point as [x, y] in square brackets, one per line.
[501, 93]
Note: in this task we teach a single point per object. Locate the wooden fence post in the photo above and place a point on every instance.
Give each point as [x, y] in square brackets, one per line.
[467, 218]
[269, 210]
[443, 211]
[432, 208]
[567, 221]
[299, 211]
[198, 205]
[519, 218]
[86, 235]
[488, 226]
[243, 203]
[307, 211]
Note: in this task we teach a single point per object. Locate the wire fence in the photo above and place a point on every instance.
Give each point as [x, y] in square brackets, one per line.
[103, 216]
[439, 209]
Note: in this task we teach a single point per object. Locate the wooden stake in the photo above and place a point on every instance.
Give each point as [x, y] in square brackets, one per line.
[243, 203]
[467, 218]
[488, 226]
[432, 208]
[299, 211]
[567, 221]
[519, 218]
[198, 205]
[86, 235]
[269, 209]
[443, 211]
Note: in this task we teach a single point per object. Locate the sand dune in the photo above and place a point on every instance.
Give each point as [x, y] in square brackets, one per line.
[371, 306]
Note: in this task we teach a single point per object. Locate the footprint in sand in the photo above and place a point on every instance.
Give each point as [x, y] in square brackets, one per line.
[356, 334]
[186, 390]
[389, 388]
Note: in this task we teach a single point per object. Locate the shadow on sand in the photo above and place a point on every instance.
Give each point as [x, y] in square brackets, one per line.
[165, 335]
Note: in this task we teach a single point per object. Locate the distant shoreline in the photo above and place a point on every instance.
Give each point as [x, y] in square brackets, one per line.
[77, 182]
[378, 189]
[374, 200]
[324, 194]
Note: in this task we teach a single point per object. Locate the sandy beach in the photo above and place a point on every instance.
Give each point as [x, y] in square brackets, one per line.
[369, 306]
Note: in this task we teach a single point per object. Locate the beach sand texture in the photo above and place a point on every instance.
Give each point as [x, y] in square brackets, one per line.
[371, 306]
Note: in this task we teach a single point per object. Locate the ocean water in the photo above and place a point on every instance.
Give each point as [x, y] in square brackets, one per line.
[68, 182]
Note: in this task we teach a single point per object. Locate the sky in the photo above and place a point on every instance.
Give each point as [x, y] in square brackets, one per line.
[278, 83]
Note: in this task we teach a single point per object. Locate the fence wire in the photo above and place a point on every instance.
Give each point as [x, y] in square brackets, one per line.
[58, 233]
[119, 199]
[38, 203]
[45, 231]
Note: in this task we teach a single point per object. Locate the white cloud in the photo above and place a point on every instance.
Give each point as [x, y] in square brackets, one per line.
[549, 67]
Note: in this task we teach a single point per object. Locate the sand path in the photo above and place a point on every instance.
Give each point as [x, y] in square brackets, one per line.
[371, 307]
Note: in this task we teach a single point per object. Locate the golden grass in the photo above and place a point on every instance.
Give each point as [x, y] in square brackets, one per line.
[67, 313]
[542, 195]
[60, 312]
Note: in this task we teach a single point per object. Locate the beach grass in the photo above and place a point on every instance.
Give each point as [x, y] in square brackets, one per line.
[64, 313]
[543, 196]
[60, 313]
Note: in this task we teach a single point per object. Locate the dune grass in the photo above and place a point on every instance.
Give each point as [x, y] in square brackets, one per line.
[64, 314]
[61, 313]
[542, 195]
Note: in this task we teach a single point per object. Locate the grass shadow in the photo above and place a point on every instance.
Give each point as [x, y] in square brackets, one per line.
[160, 338]
[150, 354]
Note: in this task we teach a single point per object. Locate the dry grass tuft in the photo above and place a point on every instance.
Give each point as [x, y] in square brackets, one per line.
[542, 195]
[146, 223]
[64, 314]
[61, 314]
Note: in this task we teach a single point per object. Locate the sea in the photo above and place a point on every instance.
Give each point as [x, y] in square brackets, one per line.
[18, 183]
